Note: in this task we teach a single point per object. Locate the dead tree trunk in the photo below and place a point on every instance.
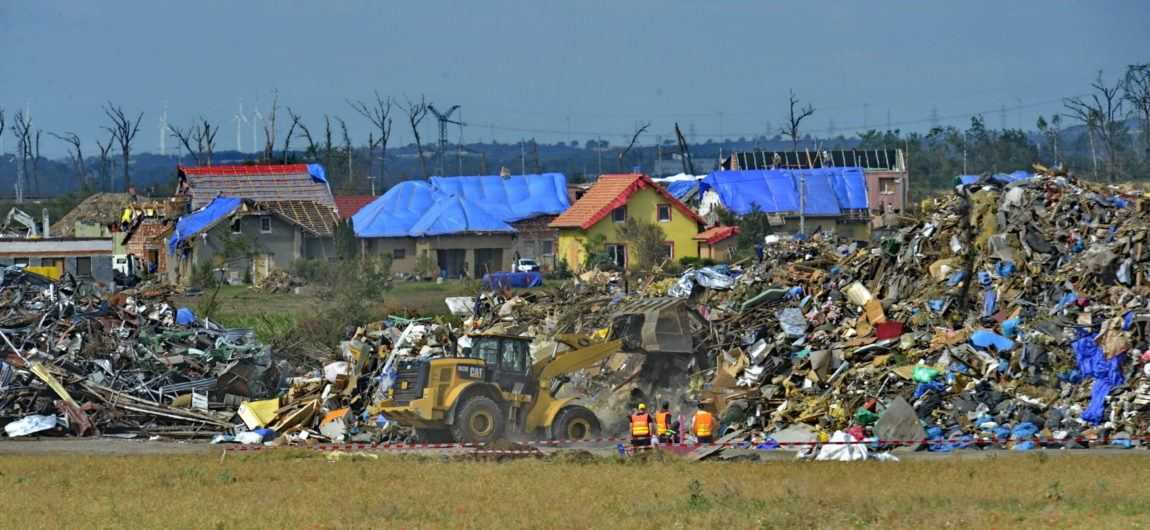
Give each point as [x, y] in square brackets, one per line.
[416, 112]
[123, 131]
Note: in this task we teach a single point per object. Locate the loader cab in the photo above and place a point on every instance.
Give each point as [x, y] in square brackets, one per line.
[508, 361]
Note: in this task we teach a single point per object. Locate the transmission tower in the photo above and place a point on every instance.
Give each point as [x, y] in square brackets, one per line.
[444, 119]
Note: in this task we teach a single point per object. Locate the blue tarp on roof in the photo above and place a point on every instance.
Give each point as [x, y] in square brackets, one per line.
[413, 208]
[829, 191]
[681, 188]
[512, 198]
[317, 173]
[199, 220]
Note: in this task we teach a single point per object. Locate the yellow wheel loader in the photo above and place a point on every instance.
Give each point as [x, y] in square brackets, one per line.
[495, 389]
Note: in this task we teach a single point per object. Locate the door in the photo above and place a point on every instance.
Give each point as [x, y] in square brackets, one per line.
[488, 260]
[514, 366]
[261, 268]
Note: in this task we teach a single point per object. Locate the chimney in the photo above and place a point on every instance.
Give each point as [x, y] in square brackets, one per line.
[47, 230]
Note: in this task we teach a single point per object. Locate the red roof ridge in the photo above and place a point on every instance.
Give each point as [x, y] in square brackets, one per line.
[611, 191]
[716, 234]
[243, 169]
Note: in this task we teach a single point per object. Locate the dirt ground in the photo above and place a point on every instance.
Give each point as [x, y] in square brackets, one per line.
[199, 486]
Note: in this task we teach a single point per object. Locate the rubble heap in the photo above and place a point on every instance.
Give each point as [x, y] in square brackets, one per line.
[129, 365]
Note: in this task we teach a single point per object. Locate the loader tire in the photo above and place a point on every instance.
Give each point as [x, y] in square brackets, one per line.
[478, 420]
[575, 423]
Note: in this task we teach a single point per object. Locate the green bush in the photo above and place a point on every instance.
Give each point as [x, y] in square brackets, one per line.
[696, 262]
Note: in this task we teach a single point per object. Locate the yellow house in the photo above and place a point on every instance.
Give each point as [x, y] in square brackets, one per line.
[610, 202]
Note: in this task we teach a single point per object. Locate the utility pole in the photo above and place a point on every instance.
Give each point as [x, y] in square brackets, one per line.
[522, 157]
[444, 119]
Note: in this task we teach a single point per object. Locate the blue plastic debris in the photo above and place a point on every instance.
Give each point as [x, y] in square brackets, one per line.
[1010, 327]
[955, 278]
[989, 303]
[1025, 446]
[1127, 320]
[1004, 268]
[1023, 431]
[1107, 374]
[936, 304]
[984, 339]
[185, 316]
[984, 278]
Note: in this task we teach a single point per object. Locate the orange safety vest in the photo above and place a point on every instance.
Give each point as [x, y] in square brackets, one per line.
[662, 422]
[639, 425]
[704, 423]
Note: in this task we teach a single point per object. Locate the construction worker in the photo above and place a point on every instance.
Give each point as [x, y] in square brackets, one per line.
[641, 427]
[663, 423]
[703, 426]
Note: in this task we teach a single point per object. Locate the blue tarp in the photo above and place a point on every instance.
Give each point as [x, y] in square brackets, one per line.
[1000, 178]
[504, 280]
[829, 191]
[199, 220]
[414, 208]
[512, 198]
[317, 173]
[1107, 374]
[452, 205]
[682, 188]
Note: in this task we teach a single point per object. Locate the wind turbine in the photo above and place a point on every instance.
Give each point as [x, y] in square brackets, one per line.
[164, 131]
[241, 119]
[257, 120]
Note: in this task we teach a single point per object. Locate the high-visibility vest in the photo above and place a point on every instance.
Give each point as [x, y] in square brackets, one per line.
[639, 425]
[662, 422]
[704, 423]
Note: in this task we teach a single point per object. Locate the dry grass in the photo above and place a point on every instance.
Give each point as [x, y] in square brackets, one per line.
[304, 490]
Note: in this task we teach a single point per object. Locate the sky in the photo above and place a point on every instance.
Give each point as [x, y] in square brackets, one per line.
[554, 70]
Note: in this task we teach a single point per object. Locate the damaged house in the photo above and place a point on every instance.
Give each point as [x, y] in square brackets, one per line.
[464, 226]
[246, 221]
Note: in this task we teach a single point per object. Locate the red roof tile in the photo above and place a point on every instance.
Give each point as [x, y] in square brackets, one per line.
[716, 234]
[348, 205]
[272, 169]
[608, 193]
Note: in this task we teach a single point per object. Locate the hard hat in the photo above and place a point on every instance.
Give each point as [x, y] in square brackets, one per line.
[642, 406]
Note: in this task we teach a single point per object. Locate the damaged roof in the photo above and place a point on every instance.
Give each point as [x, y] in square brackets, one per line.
[311, 216]
[610, 192]
[281, 182]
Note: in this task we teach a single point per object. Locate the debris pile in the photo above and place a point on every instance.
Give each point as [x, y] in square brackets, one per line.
[1012, 313]
[129, 365]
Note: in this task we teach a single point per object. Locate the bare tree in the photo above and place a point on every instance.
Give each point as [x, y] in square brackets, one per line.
[347, 148]
[106, 161]
[186, 137]
[1102, 115]
[270, 129]
[312, 152]
[379, 114]
[1136, 92]
[416, 112]
[634, 137]
[2, 122]
[36, 159]
[206, 139]
[290, 133]
[123, 131]
[75, 154]
[794, 119]
[22, 128]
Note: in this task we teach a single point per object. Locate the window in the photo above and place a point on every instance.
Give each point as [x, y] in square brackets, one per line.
[618, 254]
[546, 247]
[619, 214]
[668, 250]
[236, 226]
[398, 253]
[19, 261]
[487, 349]
[51, 262]
[84, 267]
[664, 213]
[514, 356]
[887, 186]
[266, 224]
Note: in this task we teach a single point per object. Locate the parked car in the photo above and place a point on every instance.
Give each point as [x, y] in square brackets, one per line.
[526, 265]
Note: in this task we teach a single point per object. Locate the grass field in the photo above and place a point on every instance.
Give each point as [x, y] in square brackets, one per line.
[289, 489]
[269, 314]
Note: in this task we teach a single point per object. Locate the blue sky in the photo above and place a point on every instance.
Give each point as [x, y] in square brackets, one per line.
[538, 69]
